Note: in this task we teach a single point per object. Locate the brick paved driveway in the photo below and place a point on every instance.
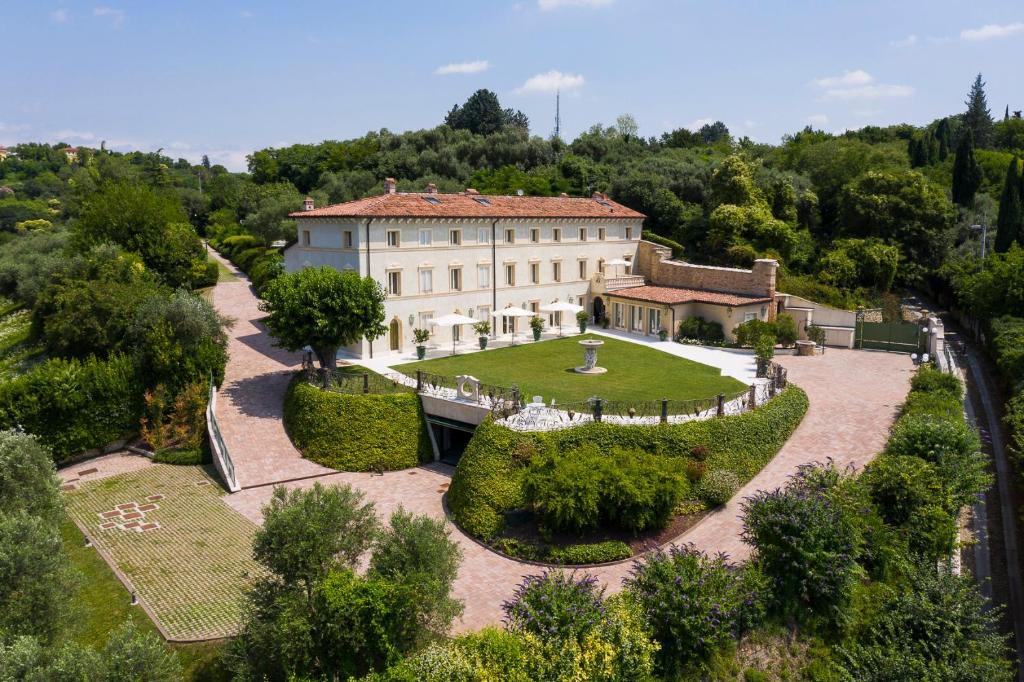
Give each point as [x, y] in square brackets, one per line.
[854, 397]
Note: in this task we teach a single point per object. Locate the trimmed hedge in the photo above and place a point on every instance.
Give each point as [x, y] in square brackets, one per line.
[356, 432]
[488, 480]
[677, 248]
[74, 405]
[593, 553]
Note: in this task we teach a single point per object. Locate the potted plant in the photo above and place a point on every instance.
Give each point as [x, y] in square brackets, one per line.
[537, 325]
[663, 334]
[483, 330]
[581, 320]
[420, 336]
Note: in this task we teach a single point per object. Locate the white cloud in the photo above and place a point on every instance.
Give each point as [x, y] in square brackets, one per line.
[551, 81]
[848, 79]
[116, 15]
[817, 119]
[245, 14]
[547, 5]
[462, 67]
[699, 123]
[859, 85]
[909, 41]
[59, 16]
[990, 31]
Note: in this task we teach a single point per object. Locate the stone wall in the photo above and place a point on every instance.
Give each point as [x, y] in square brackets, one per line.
[653, 262]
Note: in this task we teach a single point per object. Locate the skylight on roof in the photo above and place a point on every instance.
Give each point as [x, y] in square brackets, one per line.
[482, 201]
[432, 200]
[604, 202]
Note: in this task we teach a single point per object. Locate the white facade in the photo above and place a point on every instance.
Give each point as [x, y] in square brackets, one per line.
[435, 266]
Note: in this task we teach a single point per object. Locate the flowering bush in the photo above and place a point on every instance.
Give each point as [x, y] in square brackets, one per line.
[806, 545]
[692, 602]
[718, 487]
[556, 605]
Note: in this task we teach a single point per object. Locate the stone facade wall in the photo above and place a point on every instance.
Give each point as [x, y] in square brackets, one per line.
[654, 264]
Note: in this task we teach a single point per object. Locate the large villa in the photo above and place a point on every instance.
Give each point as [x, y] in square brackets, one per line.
[472, 254]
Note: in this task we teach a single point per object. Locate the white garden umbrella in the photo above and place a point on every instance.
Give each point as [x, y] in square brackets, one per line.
[513, 312]
[618, 262]
[453, 320]
[561, 307]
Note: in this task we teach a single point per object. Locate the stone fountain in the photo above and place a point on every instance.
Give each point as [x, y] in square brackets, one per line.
[590, 347]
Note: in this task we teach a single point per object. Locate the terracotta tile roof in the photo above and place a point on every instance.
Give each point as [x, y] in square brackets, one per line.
[416, 205]
[673, 295]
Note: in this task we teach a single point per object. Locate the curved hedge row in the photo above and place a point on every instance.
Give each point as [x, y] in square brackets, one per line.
[488, 480]
[356, 432]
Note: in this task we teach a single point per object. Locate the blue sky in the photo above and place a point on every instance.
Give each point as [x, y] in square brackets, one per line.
[225, 78]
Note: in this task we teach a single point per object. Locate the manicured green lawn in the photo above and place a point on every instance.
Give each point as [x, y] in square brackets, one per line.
[545, 368]
[102, 604]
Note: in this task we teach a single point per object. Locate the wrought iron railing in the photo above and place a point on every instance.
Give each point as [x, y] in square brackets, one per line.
[221, 455]
[350, 382]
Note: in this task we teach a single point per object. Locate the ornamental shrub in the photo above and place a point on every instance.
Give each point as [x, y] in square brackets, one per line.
[238, 243]
[579, 489]
[356, 432]
[555, 606]
[700, 329]
[929, 379]
[899, 485]
[749, 332]
[932, 626]
[951, 445]
[806, 546]
[74, 405]
[785, 330]
[718, 487]
[692, 602]
[488, 480]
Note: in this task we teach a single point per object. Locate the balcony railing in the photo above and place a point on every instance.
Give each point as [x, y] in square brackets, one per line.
[623, 282]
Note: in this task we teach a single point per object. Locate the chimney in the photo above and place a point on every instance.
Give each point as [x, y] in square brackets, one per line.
[597, 195]
[431, 188]
[389, 185]
[470, 190]
[307, 205]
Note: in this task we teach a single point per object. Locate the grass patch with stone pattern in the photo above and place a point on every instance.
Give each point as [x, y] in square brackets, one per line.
[187, 554]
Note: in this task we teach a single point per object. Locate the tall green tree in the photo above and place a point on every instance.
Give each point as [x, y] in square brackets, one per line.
[324, 309]
[482, 115]
[942, 134]
[978, 119]
[966, 171]
[1010, 223]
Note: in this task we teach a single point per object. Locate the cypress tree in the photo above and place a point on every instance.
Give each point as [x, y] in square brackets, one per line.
[932, 149]
[978, 119]
[914, 151]
[1010, 222]
[966, 171]
[942, 133]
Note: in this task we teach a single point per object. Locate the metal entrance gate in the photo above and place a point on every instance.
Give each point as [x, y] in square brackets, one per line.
[899, 337]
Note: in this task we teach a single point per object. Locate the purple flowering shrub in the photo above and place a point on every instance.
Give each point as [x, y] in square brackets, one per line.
[806, 543]
[693, 602]
[556, 606]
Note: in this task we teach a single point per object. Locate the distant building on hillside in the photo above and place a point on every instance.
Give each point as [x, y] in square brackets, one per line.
[4, 153]
[473, 254]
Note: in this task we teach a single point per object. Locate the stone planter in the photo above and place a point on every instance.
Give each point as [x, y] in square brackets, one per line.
[483, 342]
[536, 335]
[421, 352]
[583, 327]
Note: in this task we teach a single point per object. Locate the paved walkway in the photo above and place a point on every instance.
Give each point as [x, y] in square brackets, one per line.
[854, 396]
[249, 404]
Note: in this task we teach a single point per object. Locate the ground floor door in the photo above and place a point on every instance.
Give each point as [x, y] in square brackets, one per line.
[451, 438]
[395, 335]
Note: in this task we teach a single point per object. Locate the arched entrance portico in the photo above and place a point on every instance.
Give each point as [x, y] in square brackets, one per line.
[598, 310]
